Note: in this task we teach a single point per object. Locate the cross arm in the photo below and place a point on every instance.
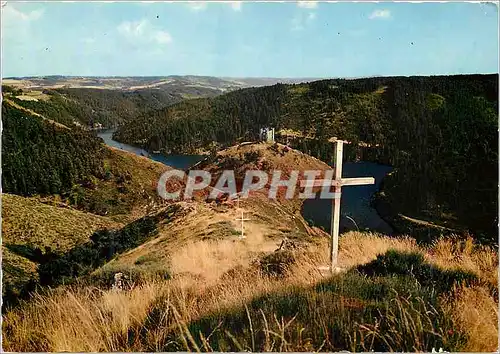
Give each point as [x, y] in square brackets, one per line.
[336, 183]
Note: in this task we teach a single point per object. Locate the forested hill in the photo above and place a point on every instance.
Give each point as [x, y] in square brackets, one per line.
[41, 158]
[88, 107]
[73, 166]
[373, 110]
[439, 132]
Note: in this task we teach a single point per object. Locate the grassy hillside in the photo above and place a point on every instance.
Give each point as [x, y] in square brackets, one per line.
[246, 308]
[28, 225]
[440, 134]
[127, 187]
[57, 184]
[50, 224]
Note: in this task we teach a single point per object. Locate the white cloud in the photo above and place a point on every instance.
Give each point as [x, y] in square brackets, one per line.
[380, 14]
[143, 31]
[236, 5]
[18, 25]
[197, 5]
[163, 37]
[201, 6]
[307, 4]
[133, 29]
[9, 12]
[300, 21]
[88, 40]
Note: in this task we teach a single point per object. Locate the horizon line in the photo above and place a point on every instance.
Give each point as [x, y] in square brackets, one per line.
[240, 77]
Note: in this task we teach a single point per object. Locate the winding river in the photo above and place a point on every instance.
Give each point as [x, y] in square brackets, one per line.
[180, 162]
[356, 211]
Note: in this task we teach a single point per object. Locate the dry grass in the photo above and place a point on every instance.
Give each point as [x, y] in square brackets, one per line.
[475, 312]
[213, 286]
[28, 224]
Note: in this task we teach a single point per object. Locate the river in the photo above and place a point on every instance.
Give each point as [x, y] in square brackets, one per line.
[355, 202]
[181, 162]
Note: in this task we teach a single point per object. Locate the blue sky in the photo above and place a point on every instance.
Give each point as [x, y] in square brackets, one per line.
[301, 39]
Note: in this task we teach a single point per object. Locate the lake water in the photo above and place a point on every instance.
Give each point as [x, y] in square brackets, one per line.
[180, 162]
[355, 202]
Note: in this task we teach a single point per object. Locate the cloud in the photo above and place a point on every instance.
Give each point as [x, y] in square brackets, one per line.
[143, 31]
[132, 29]
[18, 25]
[307, 4]
[9, 12]
[236, 5]
[197, 5]
[163, 37]
[201, 6]
[300, 21]
[88, 40]
[383, 14]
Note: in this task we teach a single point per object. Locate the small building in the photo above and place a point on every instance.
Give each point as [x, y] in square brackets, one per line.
[267, 134]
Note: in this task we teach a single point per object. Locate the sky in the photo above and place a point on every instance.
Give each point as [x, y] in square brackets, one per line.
[249, 39]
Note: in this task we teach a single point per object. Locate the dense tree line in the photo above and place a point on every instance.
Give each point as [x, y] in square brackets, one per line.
[40, 158]
[108, 107]
[439, 132]
[87, 107]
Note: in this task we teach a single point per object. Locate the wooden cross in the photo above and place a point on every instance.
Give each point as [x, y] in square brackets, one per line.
[242, 219]
[337, 183]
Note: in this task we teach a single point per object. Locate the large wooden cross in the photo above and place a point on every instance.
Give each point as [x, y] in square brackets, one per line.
[338, 182]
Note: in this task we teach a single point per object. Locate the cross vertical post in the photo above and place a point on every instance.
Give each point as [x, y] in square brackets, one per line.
[242, 229]
[335, 221]
[337, 182]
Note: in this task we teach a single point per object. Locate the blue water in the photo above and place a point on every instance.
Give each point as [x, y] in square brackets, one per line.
[181, 162]
[355, 202]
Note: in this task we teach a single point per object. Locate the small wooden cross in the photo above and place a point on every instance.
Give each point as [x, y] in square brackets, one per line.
[242, 229]
[337, 183]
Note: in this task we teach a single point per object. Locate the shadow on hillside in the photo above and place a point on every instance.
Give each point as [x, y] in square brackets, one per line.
[364, 309]
[63, 268]
[412, 264]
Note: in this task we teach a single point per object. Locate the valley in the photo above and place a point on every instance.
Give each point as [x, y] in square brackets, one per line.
[94, 259]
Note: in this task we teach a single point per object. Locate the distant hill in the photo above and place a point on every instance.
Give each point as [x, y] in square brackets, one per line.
[111, 101]
[167, 83]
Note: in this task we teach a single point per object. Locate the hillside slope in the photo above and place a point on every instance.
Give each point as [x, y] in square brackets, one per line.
[191, 284]
[109, 101]
[73, 166]
[28, 225]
